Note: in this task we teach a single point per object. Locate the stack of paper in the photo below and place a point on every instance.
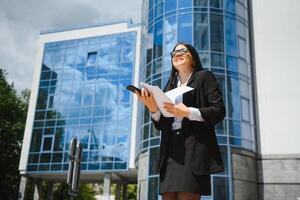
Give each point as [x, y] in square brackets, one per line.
[160, 97]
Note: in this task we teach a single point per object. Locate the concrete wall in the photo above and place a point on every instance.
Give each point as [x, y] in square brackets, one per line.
[279, 177]
[276, 40]
[244, 175]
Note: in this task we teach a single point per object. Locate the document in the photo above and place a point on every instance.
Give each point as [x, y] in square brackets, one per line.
[160, 97]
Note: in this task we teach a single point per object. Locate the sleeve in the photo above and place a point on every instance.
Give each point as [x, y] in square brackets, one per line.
[156, 116]
[214, 112]
[195, 114]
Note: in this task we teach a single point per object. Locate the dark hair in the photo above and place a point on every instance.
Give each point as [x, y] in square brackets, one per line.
[197, 67]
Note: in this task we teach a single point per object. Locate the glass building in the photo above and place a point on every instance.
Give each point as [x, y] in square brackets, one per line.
[219, 30]
[80, 91]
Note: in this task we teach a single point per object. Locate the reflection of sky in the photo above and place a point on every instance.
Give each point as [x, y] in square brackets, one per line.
[170, 27]
[95, 77]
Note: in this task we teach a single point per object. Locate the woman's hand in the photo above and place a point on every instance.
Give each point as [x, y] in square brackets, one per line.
[178, 110]
[147, 98]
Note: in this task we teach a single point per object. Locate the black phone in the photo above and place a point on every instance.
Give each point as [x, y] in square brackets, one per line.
[133, 89]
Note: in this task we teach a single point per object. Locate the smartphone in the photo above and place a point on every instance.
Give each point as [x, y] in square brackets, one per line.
[133, 89]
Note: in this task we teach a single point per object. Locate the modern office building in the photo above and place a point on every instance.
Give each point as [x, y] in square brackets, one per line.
[220, 31]
[79, 90]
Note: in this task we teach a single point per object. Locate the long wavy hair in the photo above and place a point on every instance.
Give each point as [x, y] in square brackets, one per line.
[174, 72]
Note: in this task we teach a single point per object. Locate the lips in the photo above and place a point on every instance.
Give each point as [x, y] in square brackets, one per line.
[178, 59]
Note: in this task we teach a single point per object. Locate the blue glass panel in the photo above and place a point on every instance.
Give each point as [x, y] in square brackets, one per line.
[35, 145]
[216, 33]
[151, 4]
[33, 158]
[56, 157]
[32, 168]
[170, 32]
[91, 58]
[217, 60]
[184, 3]
[150, 17]
[200, 3]
[170, 5]
[149, 45]
[185, 28]
[158, 37]
[234, 111]
[59, 139]
[231, 37]
[44, 167]
[224, 153]
[221, 188]
[216, 3]
[159, 9]
[107, 166]
[235, 141]
[232, 63]
[153, 159]
[55, 167]
[45, 157]
[201, 31]
[235, 127]
[153, 188]
[122, 165]
[230, 5]
[70, 56]
[157, 66]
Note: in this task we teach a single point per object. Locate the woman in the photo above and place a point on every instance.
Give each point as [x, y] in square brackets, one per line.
[189, 151]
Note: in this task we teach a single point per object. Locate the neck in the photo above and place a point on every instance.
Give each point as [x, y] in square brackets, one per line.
[184, 75]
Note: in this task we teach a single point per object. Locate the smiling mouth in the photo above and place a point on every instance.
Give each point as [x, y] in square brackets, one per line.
[178, 59]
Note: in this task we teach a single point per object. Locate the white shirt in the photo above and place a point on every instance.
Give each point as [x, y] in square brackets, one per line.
[194, 115]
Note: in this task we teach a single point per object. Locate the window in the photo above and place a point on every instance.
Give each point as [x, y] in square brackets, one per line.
[184, 3]
[170, 5]
[245, 109]
[185, 28]
[242, 48]
[201, 31]
[200, 3]
[216, 3]
[47, 143]
[216, 33]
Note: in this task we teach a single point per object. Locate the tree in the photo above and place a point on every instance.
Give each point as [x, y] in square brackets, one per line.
[13, 110]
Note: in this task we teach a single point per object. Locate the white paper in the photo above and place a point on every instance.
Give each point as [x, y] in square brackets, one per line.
[160, 97]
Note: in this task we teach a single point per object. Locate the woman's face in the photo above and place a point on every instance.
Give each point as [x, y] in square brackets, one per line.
[182, 58]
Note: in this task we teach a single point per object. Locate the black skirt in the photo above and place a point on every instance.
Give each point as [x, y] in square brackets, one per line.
[176, 174]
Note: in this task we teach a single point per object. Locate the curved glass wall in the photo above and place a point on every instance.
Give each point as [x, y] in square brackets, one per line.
[218, 29]
[82, 92]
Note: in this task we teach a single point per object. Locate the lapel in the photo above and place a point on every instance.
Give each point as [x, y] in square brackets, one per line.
[191, 79]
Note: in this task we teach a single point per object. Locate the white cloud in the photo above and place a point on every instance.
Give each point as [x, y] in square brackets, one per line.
[22, 21]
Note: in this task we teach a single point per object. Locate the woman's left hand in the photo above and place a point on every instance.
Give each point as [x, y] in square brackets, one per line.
[178, 110]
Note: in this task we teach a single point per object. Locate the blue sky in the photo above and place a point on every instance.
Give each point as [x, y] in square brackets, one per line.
[22, 21]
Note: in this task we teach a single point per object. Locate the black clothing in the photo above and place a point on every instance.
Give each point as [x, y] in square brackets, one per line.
[177, 175]
[204, 154]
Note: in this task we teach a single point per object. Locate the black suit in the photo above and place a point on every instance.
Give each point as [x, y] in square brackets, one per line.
[206, 156]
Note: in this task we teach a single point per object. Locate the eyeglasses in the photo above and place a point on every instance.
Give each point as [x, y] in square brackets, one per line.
[180, 52]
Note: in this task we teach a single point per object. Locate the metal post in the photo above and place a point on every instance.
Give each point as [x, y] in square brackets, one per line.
[74, 167]
[106, 186]
[73, 144]
[76, 172]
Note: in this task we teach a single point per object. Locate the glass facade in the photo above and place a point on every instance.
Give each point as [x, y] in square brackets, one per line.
[218, 29]
[82, 92]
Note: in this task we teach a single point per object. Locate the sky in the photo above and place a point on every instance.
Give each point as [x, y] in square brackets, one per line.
[22, 21]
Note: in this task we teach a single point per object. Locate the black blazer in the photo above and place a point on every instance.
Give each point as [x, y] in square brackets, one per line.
[206, 156]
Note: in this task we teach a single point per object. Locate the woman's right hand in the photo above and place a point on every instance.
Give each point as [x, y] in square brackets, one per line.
[147, 98]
